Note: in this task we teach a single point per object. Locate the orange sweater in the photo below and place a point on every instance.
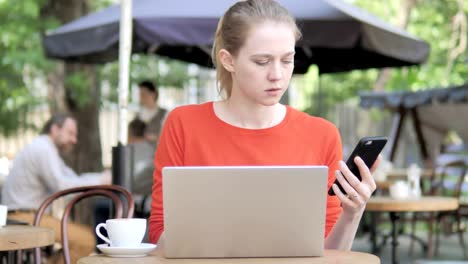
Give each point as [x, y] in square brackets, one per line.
[194, 136]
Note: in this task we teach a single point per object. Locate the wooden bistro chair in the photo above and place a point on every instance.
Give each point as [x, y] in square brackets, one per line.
[116, 193]
[457, 169]
[449, 176]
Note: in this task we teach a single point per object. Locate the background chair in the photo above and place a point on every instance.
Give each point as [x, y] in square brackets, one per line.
[451, 184]
[116, 193]
[447, 180]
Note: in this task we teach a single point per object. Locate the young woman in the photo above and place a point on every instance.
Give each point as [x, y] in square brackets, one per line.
[253, 52]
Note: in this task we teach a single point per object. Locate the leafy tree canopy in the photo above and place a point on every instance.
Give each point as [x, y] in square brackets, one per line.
[21, 61]
[24, 69]
[430, 20]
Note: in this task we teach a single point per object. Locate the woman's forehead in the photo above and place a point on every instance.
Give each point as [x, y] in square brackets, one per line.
[269, 38]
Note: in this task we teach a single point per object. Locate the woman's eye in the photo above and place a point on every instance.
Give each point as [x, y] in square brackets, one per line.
[288, 61]
[261, 63]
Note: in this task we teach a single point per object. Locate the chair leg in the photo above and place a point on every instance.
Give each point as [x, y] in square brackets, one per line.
[460, 234]
[462, 243]
[19, 256]
[437, 242]
[430, 246]
[413, 231]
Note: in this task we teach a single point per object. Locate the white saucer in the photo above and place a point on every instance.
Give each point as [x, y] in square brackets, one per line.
[126, 252]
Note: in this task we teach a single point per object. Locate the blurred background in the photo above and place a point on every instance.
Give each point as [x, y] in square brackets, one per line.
[32, 86]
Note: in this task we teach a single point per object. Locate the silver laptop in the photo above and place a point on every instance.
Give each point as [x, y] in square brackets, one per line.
[261, 211]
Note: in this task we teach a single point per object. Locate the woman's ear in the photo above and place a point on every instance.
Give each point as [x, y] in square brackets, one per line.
[226, 60]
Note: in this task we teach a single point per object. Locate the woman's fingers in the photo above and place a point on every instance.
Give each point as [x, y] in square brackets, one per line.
[350, 177]
[376, 163]
[351, 193]
[363, 188]
[353, 180]
[366, 176]
[345, 201]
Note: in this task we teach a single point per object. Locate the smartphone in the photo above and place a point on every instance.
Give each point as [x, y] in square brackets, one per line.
[368, 149]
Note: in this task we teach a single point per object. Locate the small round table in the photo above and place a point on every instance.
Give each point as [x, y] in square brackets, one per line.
[394, 207]
[18, 237]
[155, 257]
[15, 237]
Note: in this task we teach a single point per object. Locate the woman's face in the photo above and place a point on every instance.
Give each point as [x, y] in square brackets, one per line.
[263, 66]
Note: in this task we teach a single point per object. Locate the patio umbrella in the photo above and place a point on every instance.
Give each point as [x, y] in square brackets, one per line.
[434, 112]
[337, 36]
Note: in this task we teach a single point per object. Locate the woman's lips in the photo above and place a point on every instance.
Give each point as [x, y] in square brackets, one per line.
[273, 91]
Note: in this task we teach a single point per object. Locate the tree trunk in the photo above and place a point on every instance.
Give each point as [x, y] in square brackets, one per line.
[403, 19]
[87, 154]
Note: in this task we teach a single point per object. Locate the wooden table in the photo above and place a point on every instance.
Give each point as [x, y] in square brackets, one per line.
[331, 256]
[403, 173]
[399, 174]
[384, 185]
[394, 207]
[15, 237]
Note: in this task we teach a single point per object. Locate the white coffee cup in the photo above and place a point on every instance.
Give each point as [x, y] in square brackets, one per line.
[399, 190]
[3, 215]
[123, 232]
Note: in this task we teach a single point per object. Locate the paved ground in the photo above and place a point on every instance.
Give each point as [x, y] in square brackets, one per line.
[450, 251]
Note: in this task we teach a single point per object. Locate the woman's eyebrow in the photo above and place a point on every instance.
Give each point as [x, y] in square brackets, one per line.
[266, 55]
[289, 53]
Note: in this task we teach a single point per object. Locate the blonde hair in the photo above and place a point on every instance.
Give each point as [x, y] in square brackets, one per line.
[233, 28]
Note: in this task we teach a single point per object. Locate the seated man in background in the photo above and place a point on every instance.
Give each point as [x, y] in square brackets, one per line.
[39, 171]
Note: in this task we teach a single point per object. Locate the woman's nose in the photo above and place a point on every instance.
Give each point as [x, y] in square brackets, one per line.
[275, 72]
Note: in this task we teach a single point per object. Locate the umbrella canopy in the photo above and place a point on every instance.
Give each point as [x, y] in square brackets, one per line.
[336, 35]
[437, 111]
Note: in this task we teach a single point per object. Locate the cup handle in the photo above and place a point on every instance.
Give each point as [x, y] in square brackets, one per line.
[98, 227]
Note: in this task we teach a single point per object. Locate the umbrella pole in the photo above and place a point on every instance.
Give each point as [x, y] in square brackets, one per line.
[125, 49]
[121, 174]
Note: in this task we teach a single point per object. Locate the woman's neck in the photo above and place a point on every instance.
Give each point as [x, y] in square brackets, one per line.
[251, 116]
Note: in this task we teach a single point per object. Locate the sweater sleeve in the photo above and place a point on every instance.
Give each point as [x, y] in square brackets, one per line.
[334, 155]
[169, 153]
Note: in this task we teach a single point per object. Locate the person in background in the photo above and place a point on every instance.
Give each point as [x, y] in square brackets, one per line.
[39, 171]
[253, 52]
[150, 112]
[142, 158]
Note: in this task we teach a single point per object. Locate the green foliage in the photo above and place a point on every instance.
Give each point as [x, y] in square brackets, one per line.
[163, 71]
[22, 63]
[20, 56]
[23, 67]
[79, 84]
[430, 20]
[168, 72]
[98, 5]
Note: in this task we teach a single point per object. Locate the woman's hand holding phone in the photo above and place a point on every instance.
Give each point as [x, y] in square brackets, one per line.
[358, 192]
[354, 183]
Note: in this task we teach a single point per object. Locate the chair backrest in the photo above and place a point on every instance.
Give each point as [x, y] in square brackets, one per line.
[114, 192]
[455, 148]
[449, 175]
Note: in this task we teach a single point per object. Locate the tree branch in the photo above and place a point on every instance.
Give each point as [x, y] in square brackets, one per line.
[403, 19]
[458, 39]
